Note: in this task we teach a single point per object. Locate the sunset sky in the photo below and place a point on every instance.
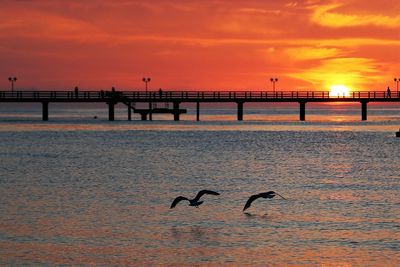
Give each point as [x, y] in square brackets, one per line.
[187, 44]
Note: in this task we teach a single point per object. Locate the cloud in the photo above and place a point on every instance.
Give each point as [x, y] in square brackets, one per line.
[310, 53]
[37, 24]
[291, 4]
[351, 72]
[261, 11]
[325, 16]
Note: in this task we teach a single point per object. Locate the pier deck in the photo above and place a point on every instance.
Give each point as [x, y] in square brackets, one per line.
[113, 97]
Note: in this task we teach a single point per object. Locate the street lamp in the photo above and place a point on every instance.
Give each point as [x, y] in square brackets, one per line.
[146, 80]
[397, 80]
[12, 80]
[273, 80]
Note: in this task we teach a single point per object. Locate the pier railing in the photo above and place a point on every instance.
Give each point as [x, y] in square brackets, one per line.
[194, 95]
[130, 98]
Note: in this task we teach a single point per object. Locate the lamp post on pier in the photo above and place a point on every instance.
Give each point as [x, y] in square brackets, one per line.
[273, 80]
[12, 81]
[146, 80]
[397, 80]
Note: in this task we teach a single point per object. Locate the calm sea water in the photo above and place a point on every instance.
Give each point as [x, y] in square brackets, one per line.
[79, 191]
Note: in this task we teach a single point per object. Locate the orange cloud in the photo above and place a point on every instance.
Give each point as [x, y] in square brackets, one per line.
[308, 53]
[351, 72]
[325, 16]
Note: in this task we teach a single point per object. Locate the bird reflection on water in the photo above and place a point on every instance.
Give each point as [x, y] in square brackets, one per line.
[193, 231]
[253, 215]
[207, 236]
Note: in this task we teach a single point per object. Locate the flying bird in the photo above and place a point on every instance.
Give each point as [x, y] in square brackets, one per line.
[195, 201]
[269, 194]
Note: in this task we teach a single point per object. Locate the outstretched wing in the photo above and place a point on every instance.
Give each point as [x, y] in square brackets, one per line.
[270, 194]
[250, 200]
[280, 195]
[177, 200]
[203, 192]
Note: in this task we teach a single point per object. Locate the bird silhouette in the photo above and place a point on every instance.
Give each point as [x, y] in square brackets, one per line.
[195, 201]
[269, 194]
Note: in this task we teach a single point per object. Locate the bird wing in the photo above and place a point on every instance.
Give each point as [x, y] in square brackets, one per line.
[177, 200]
[269, 194]
[203, 192]
[280, 195]
[250, 200]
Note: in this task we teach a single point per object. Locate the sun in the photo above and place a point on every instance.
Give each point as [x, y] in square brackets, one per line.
[339, 90]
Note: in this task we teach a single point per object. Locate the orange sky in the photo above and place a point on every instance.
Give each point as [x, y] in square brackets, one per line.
[187, 44]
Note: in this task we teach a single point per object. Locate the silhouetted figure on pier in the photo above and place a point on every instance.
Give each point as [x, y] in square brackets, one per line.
[76, 91]
[160, 92]
[195, 201]
[269, 194]
[388, 93]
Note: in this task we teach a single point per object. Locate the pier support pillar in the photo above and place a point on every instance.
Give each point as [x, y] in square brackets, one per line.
[111, 112]
[239, 111]
[150, 111]
[364, 110]
[143, 116]
[198, 111]
[302, 110]
[45, 111]
[176, 111]
[129, 111]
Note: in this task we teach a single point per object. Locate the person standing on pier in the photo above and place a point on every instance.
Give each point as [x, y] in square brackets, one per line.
[76, 91]
[388, 93]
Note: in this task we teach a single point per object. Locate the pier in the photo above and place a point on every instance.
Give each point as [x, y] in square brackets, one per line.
[176, 98]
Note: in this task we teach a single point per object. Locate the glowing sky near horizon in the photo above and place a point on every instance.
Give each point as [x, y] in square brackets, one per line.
[187, 44]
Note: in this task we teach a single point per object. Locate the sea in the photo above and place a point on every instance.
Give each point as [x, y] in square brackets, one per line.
[79, 190]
